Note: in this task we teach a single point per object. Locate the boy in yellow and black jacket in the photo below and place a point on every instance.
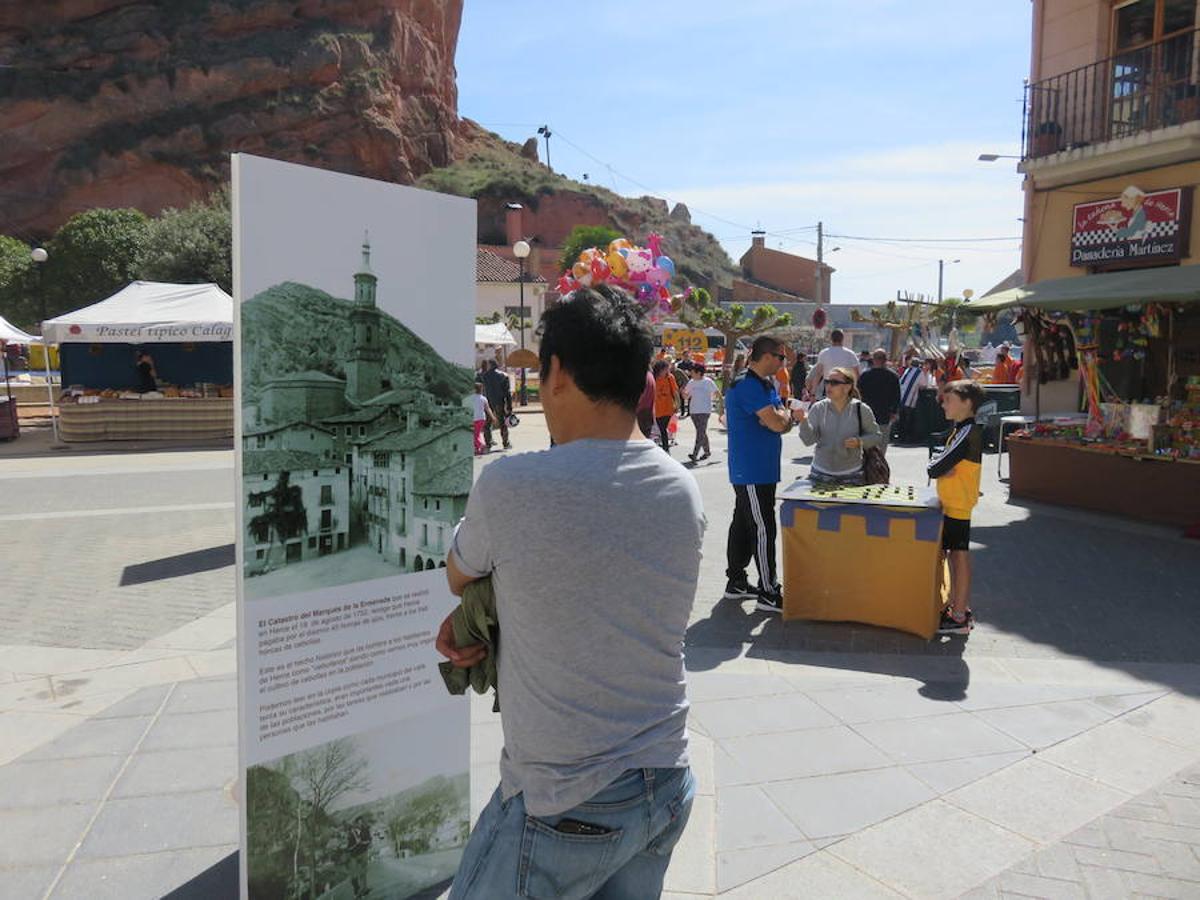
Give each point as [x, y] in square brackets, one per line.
[957, 469]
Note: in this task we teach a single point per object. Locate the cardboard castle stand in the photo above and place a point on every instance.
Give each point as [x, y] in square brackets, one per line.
[871, 555]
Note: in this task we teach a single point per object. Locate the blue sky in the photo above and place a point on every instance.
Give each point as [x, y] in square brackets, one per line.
[868, 116]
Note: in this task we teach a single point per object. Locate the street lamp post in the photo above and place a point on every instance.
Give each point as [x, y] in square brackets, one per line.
[39, 256]
[941, 268]
[521, 251]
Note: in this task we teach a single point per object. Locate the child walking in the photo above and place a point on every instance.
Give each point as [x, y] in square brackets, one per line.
[957, 470]
[483, 414]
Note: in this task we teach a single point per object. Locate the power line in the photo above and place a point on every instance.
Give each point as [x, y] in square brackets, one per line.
[905, 240]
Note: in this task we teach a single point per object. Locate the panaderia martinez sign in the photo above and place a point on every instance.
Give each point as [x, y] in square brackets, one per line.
[1136, 228]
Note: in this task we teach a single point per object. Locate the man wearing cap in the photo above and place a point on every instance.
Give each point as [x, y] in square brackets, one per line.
[1005, 369]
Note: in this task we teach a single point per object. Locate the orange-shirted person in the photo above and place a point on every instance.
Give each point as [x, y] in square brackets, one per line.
[1005, 369]
[666, 400]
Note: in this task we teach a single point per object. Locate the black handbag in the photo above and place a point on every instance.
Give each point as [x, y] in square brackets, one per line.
[875, 467]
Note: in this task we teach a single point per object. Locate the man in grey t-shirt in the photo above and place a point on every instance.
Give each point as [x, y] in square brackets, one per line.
[594, 785]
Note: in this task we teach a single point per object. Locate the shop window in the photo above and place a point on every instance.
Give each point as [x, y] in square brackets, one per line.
[312, 543]
[96, 350]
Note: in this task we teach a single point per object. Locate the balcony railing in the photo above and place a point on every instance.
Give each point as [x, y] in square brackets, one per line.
[1133, 92]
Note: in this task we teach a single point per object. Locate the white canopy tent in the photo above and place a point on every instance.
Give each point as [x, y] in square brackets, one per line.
[496, 335]
[11, 334]
[149, 312]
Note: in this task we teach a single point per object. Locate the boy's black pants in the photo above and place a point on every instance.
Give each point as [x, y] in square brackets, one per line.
[752, 533]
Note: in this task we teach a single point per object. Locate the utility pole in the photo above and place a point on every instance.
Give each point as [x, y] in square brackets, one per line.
[941, 267]
[820, 287]
[546, 132]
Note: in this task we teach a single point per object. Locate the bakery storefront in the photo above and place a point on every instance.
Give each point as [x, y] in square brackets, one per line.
[1113, 338]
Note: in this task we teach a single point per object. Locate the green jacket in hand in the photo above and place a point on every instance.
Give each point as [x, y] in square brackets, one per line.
[475, 622]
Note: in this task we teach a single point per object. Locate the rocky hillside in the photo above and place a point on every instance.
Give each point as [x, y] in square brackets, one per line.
[296, 328]
[136, 103]
[117, 103]
[495, 172]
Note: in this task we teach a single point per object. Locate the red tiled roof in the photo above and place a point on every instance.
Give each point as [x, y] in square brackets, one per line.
[491, 266]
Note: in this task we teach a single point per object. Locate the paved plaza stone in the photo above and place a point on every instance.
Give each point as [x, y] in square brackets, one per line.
[1053, 753]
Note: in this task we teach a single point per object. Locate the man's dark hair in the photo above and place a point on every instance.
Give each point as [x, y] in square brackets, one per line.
[491, 365]
[969, 391]
[763, 344]
[602, 339]
[837, 335]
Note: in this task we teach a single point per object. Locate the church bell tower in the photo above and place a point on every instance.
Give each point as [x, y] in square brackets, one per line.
[363, 378]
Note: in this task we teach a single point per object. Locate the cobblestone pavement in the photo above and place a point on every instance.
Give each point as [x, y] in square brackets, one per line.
[110, 552]
[1053, 753]
[1150, 847]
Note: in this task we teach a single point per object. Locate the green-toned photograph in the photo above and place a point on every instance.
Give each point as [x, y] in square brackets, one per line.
[357, 445]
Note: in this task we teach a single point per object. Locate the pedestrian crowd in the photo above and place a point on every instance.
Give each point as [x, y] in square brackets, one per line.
[595, 787]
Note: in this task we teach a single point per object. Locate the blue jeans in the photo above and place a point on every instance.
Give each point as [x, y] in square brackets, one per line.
[630, 829]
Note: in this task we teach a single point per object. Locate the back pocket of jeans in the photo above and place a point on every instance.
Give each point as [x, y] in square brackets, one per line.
[558, 866]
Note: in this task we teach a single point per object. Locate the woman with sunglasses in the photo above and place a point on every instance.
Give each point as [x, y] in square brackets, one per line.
[841, 425]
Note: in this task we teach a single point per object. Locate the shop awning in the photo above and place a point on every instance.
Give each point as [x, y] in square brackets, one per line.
[11, 334]
[1168, 284]
[149, 312]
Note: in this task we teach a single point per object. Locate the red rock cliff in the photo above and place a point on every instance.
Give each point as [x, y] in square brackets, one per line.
[124, 103]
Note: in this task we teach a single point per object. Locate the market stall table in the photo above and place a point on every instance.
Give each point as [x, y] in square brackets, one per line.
[1137, 485]
[863, 554]
[147, 420]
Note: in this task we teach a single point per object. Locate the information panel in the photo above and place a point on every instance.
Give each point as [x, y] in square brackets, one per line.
[353, 345]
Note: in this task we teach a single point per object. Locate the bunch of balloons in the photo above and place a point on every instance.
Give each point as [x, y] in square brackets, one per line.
[643, 271]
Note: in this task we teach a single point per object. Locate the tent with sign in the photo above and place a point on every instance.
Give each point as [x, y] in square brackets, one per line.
[187, 331]
[187, 328]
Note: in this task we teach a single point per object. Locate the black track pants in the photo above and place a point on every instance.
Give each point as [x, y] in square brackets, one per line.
[752, 533]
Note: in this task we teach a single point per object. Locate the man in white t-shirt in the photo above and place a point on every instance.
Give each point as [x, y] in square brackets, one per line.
[699, 392]
[832, 357]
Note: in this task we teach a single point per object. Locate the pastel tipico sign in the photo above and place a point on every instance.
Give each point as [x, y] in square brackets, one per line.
[1135, 228]
[149, 333]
